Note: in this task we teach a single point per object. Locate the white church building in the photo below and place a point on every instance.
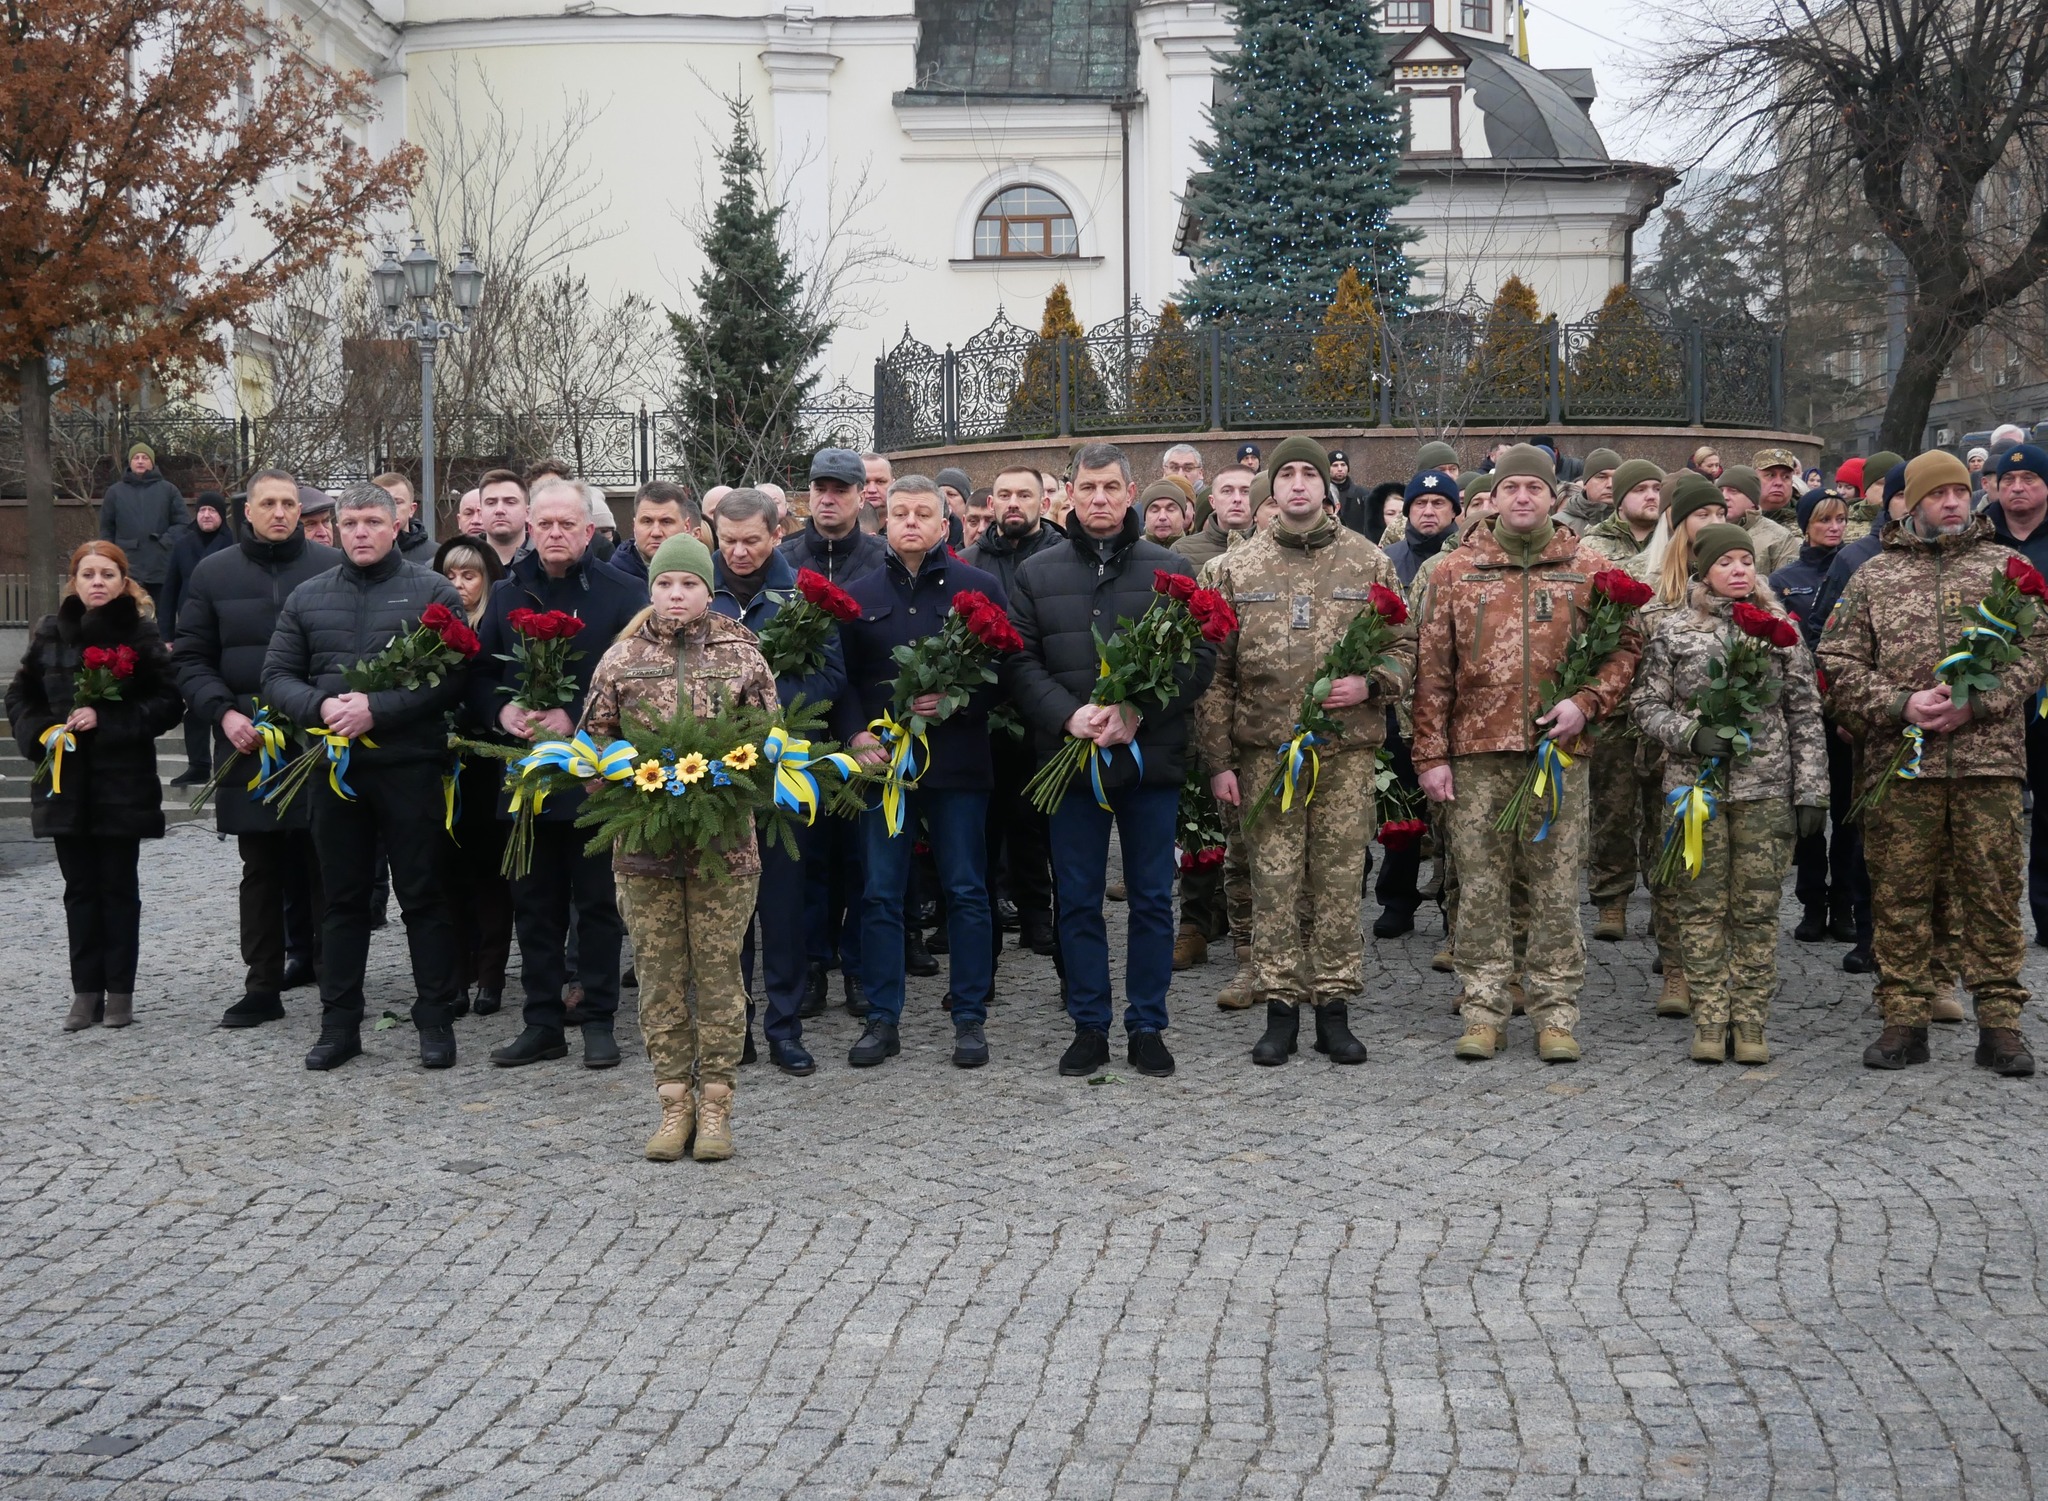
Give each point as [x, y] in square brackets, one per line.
[1007, 144]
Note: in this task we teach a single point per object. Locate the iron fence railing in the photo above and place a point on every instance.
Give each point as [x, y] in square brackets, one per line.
[1439, 369]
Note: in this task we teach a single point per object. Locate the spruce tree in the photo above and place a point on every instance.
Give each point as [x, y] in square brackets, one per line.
[1168, 384]
[1628, 365]
[1511, 361]
[748, 354]
[1300, 175]
[1345, 370]
[1035, 404]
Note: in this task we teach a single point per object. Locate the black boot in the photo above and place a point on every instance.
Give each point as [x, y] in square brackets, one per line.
[461, 1006]
[940, 942]
[531, 1046]
[1035, 932]
[1086, 1054]
[1283, 1026]
[1333, 1034]
[600, 1048]
[1813, 927]
[253, 1010]
[336, 1046]
[297, 973]
[1841, 920]
[917, 959]
[1395, 919]
[813, 1003]
[1859, 960]
[437, 1047]
[488, 1001]
[877, 1043]
[856, 998]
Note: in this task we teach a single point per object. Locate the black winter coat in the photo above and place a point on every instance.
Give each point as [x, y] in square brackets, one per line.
[1798, 585]
[230, 611]
[111, 789]
[1063, 596]
[347, 615]
[416, 545]
[136, 515]
[896, 610]
[1848, 558]
[189, 548]
[999, 555]
[604, 600]
[841, 562]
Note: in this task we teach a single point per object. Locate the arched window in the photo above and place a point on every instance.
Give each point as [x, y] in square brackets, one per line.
[1025, 224]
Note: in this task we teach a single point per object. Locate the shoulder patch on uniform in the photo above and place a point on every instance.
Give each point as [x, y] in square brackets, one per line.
[1567, 576]
[1349, 593]
[1256, 597]
[645, 672]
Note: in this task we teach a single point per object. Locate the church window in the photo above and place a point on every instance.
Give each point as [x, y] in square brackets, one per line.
[1475, 15]
[1409, 12]
[1025, 224]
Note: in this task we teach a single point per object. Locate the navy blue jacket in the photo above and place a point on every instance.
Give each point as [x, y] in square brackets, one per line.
[819, 688]
[604, 600]
[626, 559]
[1798, 585]
[2034, 549]
[842, 562]
[1847, 561]
[1408, 559]
[896, 610]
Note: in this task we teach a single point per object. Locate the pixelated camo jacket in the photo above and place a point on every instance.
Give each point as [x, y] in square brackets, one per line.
[1901, 614]
[646, 672]
[1788, 760]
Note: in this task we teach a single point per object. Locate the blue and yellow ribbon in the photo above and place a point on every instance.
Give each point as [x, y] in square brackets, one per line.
[270, 748]
[338, 748]
[1299, 756]
[1916, 738]
[902, 770]
[57, 740]
[796, 785]
[1551, 765]
[582, 758]
[1691, 807]
[451, 798]
[1097, 755]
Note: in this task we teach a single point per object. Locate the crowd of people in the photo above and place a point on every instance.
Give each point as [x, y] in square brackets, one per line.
[1772, 686]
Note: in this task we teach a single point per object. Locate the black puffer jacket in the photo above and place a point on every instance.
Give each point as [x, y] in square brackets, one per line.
[1002, 556]
[1063, 596]
[189, 548]
[1798, 585]
[841, 562]
[136, 515]
[111, 789]
[229, 612]
[347, 615]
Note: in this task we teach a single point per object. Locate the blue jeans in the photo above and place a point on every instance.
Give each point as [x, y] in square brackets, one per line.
[953, 821]
[833, 879]
[782, 944]
[1144, 818]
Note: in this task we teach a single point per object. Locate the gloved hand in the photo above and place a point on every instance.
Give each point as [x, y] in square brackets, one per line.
[1809, 821]
[1708, 741]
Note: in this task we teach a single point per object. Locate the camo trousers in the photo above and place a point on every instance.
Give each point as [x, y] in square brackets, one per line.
[1728, 913]
[686, 946]
[1308, 943]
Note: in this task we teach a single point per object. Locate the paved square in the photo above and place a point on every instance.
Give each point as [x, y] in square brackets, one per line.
[226, 1277]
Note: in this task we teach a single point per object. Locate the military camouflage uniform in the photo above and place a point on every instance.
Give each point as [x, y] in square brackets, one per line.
[1493, 632]
[1958, 825]
[1622, 842]
[1728, 913]
[1776, 546]
[1295, 595]
[687, 925]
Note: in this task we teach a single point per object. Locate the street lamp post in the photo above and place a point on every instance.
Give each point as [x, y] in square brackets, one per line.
[413, 279]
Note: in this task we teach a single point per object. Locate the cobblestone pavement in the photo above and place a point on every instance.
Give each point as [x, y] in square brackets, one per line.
[225, 1277]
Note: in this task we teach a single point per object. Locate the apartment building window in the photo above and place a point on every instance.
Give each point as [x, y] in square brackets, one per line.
[1410, 13]
[1476, 15]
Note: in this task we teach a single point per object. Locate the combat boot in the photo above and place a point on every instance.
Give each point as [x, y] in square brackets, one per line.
[714, 1124]
[1555, 1045]
[1333, 1034]
[1443, 963]
[1897, 1047]
[1750, 1046]
[2005, 1050]
[1813, 925]
[678, 1121]
[1238, 994]
[1611, 925]
[1676, 999]
[1478, 1041]
[1283, 1028]
[1709, 1042]
[86, 1006]
[1841, 920]
[1189, 948]
[1946, 1007]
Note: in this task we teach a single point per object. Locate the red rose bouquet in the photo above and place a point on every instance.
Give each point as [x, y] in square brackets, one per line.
[541, 650]
[794, 641]
[1990, 644]
[1198, 822]
[1141, 665]
[1741, 686]
[419, 658]
[102, 671]
[1616, 598]
[1358, 652]
[1403, 801]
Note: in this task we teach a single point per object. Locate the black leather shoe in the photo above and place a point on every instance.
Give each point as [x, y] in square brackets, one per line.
[1283, 1029]
[191, 776]
[917, 959]
[1333, 1034]
[298, 973]
[813, 1003]
[1859, 960]
[876, 1044]
[1813, 927]
[437, 1047]
[1393, 922]
[792, 1058]
[1085, 1055]
[856, 998]
[461, 1004]
[333, 1050]
[531, 1046]
[1035, 932]
[1146, 1052]
[1006, 915]
[970, 1045]
[748, 1052]
[940, 942]
[253, 1010]
[1842, 925]
[600, 1048]
[488, 1002]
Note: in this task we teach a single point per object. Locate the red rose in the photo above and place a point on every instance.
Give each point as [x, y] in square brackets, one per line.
[1213, 613]
[436, 615]
[124, 661]
[567, 625]
[1621, 588]
[1172, 585]
[521, 620]
[1389, 606]
[459, 638]
[1764, 626]
[2026, 578]
[99, 656]
[1400, 833]
[1784, 633]
[1209, 859]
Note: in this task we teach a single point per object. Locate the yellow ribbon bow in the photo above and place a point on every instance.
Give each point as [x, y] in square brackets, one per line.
[57, 740]
[1296, 754]
[338, 748]
[903, 769]
[1551, 765]
[1694, 806]
[796, 785]
[581, 758]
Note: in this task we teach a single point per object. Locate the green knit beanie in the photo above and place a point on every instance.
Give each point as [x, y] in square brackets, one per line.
[1692, 491]
[144, 449]
[1600, 460]
[1878, 465]
[1300, 450]
[1528, 460]
[1742, 477]
[1717, 540]
[1480, 485]
[1435, 456]
[1632, 472]
[681, 553]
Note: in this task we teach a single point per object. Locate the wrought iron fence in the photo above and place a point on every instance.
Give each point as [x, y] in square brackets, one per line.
[1440, 369]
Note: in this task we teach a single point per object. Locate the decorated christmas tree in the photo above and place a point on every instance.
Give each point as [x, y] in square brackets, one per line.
[1034, 405]
[1168, 382]
[1299, 181]
[1345, 369]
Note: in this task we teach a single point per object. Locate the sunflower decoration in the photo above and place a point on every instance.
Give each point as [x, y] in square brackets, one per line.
[742, 757]
[691, 768]
[649, 775]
